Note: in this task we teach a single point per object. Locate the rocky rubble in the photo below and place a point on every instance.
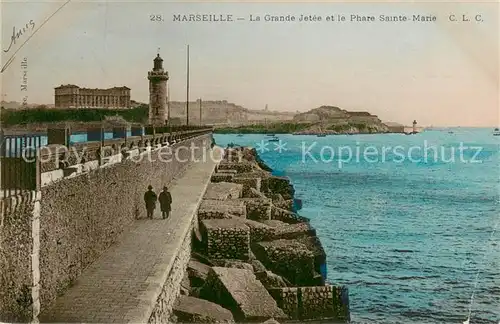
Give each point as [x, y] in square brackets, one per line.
[254, 259]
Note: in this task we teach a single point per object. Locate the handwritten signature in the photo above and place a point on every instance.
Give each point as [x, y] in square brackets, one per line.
[28, 25]
[17, 35]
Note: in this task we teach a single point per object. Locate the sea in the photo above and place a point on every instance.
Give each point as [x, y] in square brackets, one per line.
[409, 223]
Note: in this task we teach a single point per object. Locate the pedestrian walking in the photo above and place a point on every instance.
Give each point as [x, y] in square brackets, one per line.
[165, 199]
[150, 200]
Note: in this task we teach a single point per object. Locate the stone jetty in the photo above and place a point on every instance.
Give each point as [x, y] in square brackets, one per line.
[254, 259]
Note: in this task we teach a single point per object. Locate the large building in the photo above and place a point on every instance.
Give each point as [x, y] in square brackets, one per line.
[72, 96]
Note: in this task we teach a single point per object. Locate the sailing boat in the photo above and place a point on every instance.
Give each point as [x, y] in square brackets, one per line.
[496, 132]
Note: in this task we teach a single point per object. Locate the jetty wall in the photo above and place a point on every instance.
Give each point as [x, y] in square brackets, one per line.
[19, 246]
[49, 236]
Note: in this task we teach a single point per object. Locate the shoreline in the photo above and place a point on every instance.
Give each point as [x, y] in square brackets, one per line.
[254, 259]
[304, 134]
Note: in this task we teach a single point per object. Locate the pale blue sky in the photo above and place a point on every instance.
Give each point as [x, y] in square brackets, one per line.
[438, 73]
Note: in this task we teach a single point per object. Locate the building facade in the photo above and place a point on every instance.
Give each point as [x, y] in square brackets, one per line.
[72, 96]
[158, 93]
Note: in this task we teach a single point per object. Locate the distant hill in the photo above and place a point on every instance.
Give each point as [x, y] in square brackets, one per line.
[334, 120]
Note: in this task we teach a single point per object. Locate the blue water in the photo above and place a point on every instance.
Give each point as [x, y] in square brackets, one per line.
[414, 240]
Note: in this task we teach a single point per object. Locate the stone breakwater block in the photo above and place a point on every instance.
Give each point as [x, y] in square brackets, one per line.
[195, 310]
[239, 167]
[291, 231]
[258, 209]
[278, 185]
[318, 302]
[274, 223]
[225, 239]
[288, 300]
[314, 245]
[254, 174]
[223, 191]
[271, 280]
[253, 193]
[289, 259]
[233, 155]
[287, 216]
[233, 172]
[285, 204]
[327, 303]
[197, 273]
[219, 209]
[222, 177]
[258, 231]
[248, 182]
[237, 264]
[241, 292]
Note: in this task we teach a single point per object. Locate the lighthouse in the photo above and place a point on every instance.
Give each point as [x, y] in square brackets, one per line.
[414, 127]
[157, 93]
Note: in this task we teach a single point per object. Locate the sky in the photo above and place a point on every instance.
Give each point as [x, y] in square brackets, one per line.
[440, 73]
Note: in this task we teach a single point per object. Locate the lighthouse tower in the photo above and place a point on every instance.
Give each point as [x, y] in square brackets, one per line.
[414, 127]
[157, 93]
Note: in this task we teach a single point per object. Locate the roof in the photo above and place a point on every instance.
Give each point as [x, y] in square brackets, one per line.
[75, 86]
[67, 86]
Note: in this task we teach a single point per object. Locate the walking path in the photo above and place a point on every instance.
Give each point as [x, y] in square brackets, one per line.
[124, 283]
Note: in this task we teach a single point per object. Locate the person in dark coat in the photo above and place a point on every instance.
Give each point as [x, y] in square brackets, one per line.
[165, 199]
[150, 200]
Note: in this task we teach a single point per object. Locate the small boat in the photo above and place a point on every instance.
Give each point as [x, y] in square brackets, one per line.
[274, 139]
[496, 132]
[271, 134]
[239, 135]
[450, 132]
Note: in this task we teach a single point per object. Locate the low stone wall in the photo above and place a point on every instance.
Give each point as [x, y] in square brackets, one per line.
[287, 216]
[16, 247]
[162, 310]
[321, 302]
[85, 214]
